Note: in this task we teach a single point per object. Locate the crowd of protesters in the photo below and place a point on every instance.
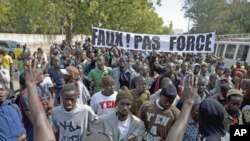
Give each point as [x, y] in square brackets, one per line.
[80, 92]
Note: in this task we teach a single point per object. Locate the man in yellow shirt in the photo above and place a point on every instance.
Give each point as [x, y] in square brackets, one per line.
[6, 61]
[18, 51]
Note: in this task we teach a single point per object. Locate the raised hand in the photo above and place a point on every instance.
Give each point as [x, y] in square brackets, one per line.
[190, 88]
[33, 75]
[178, 129]
[41, 126]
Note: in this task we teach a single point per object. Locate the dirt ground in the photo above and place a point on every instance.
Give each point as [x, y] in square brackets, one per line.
[32, 48]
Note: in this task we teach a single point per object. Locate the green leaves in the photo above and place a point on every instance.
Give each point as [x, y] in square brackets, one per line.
[78, 16]
[217, 15]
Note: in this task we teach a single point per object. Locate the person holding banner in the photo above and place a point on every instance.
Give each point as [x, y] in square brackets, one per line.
[114, 54]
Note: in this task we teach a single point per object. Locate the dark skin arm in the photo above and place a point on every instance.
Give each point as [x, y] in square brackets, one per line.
[42, 129]
[51, 101]
[57, 136]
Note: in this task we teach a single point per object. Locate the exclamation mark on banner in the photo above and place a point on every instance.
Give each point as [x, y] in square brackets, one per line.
[128, 40]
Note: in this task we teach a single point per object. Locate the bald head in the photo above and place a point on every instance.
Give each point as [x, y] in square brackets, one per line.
[170, 68]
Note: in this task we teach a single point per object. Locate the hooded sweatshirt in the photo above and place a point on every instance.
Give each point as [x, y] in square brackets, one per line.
[211, 118]
[11, 122]
[193, 68]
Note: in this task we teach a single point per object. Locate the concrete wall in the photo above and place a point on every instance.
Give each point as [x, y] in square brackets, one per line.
[37, 38]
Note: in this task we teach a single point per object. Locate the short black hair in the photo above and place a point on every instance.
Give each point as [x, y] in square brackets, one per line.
[138, 79]
[70, 87]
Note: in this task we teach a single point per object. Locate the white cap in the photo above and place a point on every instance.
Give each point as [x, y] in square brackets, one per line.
[64, 71]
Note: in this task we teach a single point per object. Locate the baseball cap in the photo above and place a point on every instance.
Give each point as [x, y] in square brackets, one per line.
[234, 92]
[71, 71]
[124, 92]
[64, 71]
[169, 90]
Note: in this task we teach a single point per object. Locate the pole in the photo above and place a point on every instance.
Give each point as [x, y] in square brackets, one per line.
[188, 23]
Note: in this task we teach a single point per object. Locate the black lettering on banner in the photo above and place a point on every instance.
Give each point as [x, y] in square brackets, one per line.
[156, 45]
[128, 39]
[239, 132]
[137, 40]
[110, 38]
[200, 42]
[190, 43]
[94, 36]
[146, 42]
[172, 42]
[208, 42]
[101, 38]
[180, 43]
[118, 37]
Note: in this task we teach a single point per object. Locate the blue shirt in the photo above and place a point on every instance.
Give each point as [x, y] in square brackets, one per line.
[56, 76]
[11, 122]
[192, 132]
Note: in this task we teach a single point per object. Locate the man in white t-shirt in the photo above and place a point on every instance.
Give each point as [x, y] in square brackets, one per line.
[70, 121]
[120, 125]
[103, 102]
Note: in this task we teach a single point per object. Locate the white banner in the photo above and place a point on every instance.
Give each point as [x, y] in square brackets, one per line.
[196, 43]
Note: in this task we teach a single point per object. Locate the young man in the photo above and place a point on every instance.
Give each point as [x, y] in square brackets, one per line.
[202, 92]
[211, 82]
[42, 60]
[120, 125]
[70, 121]
[233, 115]
[123, 74]
[18, 51]
[95, 76]
[103, 102]
[204, 72]
[159, 116]
[140, 94]
[145, 73]
[56, 77]
[246, 101]
[7, 61]
[10, 118]
[196, 69]
[184, 70]
[171, 73]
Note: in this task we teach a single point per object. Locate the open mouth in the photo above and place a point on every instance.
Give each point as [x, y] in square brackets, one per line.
[68, 107]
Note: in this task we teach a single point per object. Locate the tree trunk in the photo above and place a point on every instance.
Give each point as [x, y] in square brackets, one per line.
[69, 33]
